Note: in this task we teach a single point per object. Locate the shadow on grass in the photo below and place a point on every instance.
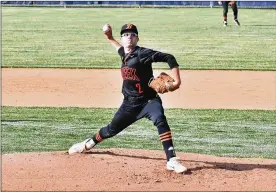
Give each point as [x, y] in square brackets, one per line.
[207, 165]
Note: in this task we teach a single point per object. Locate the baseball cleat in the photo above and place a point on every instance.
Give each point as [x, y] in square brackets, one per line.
[237, 22]
[224, 23]
[174, 165]
[79, 147]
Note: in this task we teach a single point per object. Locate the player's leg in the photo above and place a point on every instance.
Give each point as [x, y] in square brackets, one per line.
[225, 11]
[235, 12]
[155, 112]
[122, 119]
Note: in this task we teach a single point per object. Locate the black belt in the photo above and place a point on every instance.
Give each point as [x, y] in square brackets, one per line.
[134, 99]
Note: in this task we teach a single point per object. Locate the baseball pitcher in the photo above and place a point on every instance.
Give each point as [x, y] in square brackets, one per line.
[140, 90]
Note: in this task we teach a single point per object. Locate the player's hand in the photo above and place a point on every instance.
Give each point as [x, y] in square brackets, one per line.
[219, 2]
[176, 85]
[108, 32]
[173, 86]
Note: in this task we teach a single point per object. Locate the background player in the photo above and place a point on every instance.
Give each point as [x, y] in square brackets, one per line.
[139, 99]
[225, 11]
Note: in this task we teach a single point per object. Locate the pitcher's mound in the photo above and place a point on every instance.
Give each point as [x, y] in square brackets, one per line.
[133, 170]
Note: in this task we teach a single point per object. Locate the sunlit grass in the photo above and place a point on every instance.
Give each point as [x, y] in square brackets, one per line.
[235, 133]
[73, 38]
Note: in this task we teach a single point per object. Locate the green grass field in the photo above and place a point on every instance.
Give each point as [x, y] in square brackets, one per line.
[72, 38]
[234, 133]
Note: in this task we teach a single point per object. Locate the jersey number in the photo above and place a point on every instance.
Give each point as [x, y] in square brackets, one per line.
[138, 85]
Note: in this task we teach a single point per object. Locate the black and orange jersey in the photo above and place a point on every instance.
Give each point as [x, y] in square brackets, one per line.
[136, 70]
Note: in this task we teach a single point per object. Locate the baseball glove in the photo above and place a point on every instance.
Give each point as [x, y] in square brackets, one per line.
[163, 83]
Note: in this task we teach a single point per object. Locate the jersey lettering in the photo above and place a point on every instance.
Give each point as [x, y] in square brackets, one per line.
[129, 74]
[138, 85]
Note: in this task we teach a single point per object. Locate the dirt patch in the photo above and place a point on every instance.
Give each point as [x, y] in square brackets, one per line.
[102, 88]
[135, 170]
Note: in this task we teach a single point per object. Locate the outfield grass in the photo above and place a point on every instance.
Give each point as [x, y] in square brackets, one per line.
[234, 133]
[72, 38]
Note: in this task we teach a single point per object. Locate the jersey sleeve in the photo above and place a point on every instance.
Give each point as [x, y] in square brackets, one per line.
[121, 51]
[148, 56]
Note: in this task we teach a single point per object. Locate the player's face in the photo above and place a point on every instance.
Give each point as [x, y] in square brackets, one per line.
[129, 39]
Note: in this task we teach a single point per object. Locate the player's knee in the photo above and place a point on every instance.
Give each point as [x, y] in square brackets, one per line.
[160, 121]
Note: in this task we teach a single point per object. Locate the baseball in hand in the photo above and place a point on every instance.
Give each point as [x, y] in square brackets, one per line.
[106, 28]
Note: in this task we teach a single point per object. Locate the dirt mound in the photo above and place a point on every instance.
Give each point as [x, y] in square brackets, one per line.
[133, 170]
